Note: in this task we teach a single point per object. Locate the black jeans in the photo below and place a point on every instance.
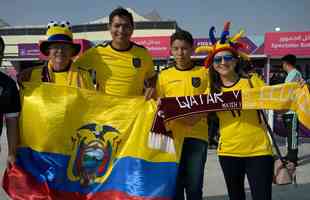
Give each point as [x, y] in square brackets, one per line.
[213, 129]
[259, 171]
[191, 169]
[291, 123]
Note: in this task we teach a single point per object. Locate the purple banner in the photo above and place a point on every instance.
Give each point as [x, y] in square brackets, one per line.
[201, 42]
[248, 44]
[30, 50]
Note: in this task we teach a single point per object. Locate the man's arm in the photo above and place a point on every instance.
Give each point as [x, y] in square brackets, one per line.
[150, 87]
[11, 117]
[12, 135]
[87, 60]
[150, 77]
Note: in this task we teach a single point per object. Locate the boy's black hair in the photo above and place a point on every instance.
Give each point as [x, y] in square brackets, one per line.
[122, 12]
[182, 35]
[289, 58]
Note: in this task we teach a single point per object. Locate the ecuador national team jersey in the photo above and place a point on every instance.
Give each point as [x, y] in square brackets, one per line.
[60, 77]
[174, 82]
[241, 132]
[70, 78]
[120, 73]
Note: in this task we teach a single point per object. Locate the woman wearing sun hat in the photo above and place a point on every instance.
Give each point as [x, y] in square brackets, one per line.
[244, 147]
[60, 51]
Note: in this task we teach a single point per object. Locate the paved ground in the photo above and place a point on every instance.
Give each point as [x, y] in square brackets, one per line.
[214, 187]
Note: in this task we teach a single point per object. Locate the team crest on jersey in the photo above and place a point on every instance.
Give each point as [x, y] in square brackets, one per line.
[95, 148]
[136, 62]
[196, 81]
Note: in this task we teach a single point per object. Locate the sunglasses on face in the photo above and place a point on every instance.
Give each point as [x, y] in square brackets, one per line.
[227, 58]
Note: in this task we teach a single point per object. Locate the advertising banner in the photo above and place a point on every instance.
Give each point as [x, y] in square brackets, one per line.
[158, 46]
[281, 43]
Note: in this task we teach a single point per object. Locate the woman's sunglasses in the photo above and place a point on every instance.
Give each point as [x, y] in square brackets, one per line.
[227, 58]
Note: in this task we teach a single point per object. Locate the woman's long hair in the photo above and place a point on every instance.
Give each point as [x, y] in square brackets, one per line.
[242, 69]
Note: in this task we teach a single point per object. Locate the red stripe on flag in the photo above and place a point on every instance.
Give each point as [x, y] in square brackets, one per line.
[20, 185]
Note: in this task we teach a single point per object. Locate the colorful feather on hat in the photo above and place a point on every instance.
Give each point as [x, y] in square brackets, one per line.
[225, 43]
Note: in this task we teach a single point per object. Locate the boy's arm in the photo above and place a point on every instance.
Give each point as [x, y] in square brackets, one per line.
[150, 78]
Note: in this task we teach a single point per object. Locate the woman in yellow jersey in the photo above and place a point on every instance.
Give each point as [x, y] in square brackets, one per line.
[60, 50]
[244, 146]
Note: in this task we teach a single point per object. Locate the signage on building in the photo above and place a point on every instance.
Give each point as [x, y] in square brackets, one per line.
[249, 46]
[31, 50]
[281, 43]
[158, 46]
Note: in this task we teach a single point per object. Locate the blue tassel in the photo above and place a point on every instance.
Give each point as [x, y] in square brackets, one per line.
[223, 37]
[211, 35]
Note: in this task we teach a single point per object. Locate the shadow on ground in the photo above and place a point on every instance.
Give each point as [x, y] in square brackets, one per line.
[286, 192]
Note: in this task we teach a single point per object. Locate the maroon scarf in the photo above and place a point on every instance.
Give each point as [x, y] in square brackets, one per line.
[177, 107]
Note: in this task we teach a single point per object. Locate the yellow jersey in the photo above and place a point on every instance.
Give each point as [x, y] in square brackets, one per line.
[120, 73]
[173, 82]
[242, 133]
[74, 77]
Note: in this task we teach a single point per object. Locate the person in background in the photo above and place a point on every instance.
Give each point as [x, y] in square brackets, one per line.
[290, 118]
[9, 109]
[183, 78]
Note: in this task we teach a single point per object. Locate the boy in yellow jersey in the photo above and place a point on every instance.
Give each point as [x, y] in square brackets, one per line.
[60, 50]
[185, 79]
[121, 66]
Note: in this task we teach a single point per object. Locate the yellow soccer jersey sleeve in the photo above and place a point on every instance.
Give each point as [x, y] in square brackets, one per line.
[36, 74]
[120, 73]
[241, 132]
[173, 82]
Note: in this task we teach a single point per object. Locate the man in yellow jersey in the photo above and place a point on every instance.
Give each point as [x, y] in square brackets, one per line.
[121, 66]
[60, 51]
[184, 79]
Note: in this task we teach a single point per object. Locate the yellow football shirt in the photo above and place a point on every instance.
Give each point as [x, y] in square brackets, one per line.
[242, 134]
[64, 78]
[120, 73]
[173, 82]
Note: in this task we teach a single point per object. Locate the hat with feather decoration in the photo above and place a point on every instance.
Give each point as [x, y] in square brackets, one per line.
[225, 43]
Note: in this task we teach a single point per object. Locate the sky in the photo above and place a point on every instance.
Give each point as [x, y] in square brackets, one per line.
[196, 16]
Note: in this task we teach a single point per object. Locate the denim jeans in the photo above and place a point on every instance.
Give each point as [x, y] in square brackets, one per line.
[191, 169]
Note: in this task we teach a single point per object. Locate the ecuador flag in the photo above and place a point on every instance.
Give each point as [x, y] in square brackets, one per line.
[79, 144]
